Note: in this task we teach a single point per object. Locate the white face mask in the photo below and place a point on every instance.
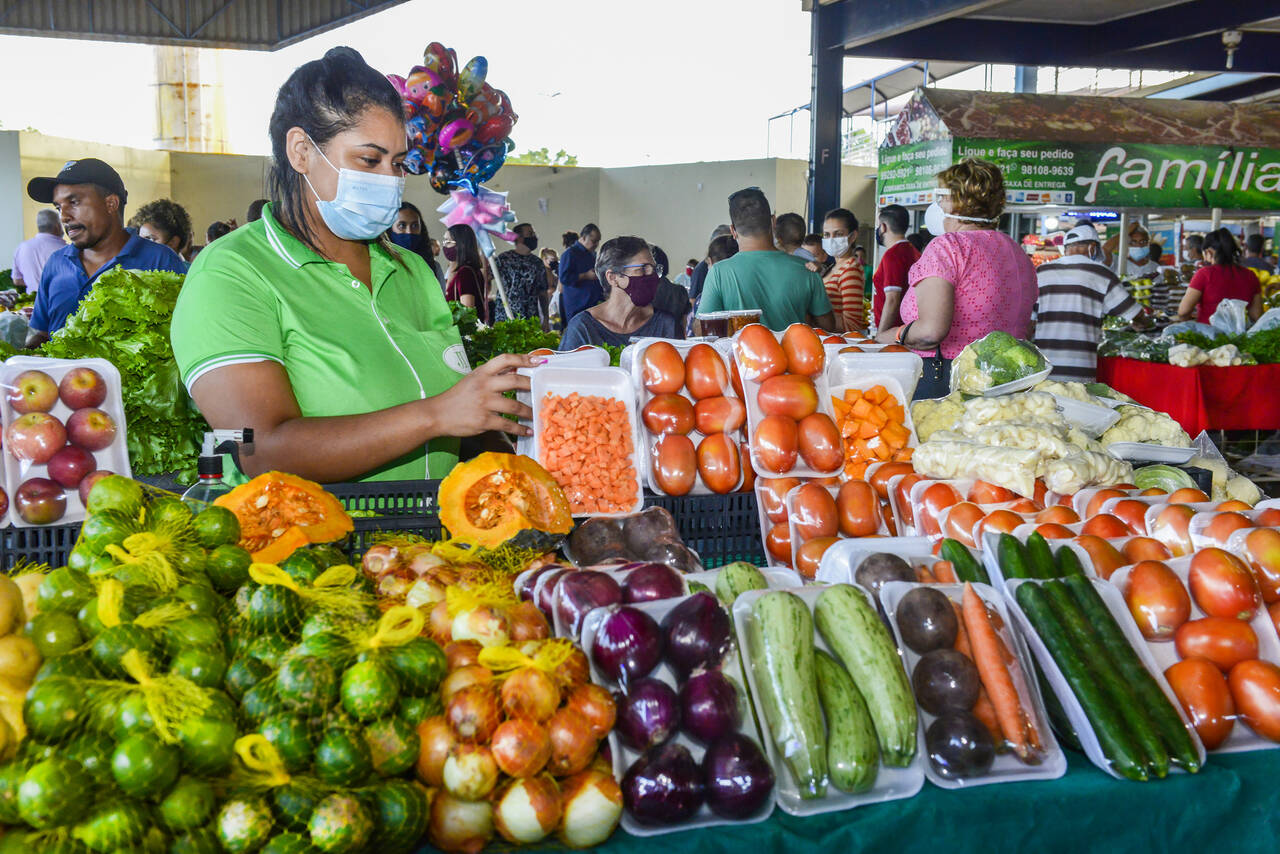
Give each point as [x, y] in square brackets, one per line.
[935, 218]
[1139, 253]
[835, 246]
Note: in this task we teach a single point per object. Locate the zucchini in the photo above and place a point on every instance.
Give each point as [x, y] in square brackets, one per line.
[853, 756]
[853, 630]
[737, 578]
[1069, 564]
[697, 587]
[1012, 556]
[1173, 732]
[1040, 557]
[962, 560]
[1112, 736]
[781, 641]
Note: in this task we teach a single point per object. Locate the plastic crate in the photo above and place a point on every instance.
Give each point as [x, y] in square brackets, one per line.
[48, 545]
[720, 528]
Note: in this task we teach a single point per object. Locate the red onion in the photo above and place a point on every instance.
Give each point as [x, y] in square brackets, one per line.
[696, 633]
[652, 581]
[581, 592]
[709, 706]
[648, 715]
[628, 645]
[525, 588]
[664, 786]
[544, 596]
[737, 777]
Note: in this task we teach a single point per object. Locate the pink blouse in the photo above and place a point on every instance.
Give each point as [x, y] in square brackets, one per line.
[994, 282]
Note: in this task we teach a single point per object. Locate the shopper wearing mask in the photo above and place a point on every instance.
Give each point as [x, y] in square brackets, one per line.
[335, 347]
[464, 277]
[890, 279]
[409, 231]
[524, 278]
[844, 283]
[971, 279]
[1222, 277]
[626, 270]
[1138, 264]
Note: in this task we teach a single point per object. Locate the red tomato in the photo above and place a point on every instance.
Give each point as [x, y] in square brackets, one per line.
[851, 349]
[960, 521]
[748, 472]
[1171, 528]
[735, 377]
[719, 415]
[933, 500]
[988, 493]
[1054, 531]
[859, 509]
[788, 394]
[1024, 505]
[894, 348]
[1225, 642]
[809, 555]
[1133, 513]
[1269, 518]
[776, 443]
[1099, 498]
[1202, 690]
[661, 368]
[1223, 525]
[1273, 611]
[1058, 515]
[1106, 559]
[1223, 586]
[1262, 550]
[886, 513]
[718, 463]
[668, 413]
[705, 374]
[820, 446]
[1234, 505]
[1106, 526]
[778, 543]
[542, 351]
[832, 338]
[674, 464]
[902, 495]
[1002, 520]
[1145, 548]
[1153, 491]
[879, 479]
[1255, 688]
[804, 351]
[813, 512]
[772, 494]
[758, 353]
[1187, 495]
[1156, 598]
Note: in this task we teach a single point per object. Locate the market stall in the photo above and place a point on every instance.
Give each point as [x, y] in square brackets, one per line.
[1203, 397]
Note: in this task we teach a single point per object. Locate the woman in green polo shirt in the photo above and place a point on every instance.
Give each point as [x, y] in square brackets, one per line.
[337, 348]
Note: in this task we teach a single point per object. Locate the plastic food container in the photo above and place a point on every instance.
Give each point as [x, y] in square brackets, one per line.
[1146, 452]
[1092, 420]
[891, 384]
[777, 577]
[583, 357]
[1019, 384]
[793, 519]
[846, 369]
[842, 560]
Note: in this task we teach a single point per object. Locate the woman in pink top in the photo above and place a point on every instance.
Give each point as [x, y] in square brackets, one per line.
[971, 279]
[1222, 277]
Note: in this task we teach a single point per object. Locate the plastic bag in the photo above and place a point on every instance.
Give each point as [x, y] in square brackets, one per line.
[994, 360]
[1192, 326]
[1270, 320]
[1231, 316]
[13, 329]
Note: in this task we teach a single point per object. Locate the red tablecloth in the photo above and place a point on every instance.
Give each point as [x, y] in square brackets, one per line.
[1246, 397]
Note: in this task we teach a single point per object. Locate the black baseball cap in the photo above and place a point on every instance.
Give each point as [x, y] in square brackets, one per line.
[90, 170]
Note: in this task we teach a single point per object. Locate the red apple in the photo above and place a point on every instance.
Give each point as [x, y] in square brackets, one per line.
[36, 437]
[87, 484]
[82, 387]
[40, 501]
[4, 502]
[91, 429]
[70, 465]
[32, 391]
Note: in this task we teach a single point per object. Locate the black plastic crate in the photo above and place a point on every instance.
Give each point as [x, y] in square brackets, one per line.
[49, 544]
[392, 500]
[720, 528]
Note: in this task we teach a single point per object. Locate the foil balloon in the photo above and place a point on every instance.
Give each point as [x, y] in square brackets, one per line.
[494, 129]
[421, 82]
[454, 134]
[442, 60]
[419, 129]
[398, 83]
[443, 170]
[418, 160]
[471, 80]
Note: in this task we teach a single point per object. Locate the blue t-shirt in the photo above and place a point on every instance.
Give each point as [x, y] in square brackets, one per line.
[585, 329]
[64, 282]
[577, 296]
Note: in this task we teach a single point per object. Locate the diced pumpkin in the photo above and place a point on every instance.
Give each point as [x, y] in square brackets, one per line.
[281, 512]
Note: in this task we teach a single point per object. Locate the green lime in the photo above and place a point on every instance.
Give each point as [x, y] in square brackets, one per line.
[340, 824]
[143, 765]
[202, 840]
[243, 673]
[260, 702]
[415, 710]
[294, 805]
[307, 684]
[303, 566]
[330, 646]
[110, 646]
[202, 600]
[420, 665]
[54, 633]
[228, 567]
[205, 667]
[343, 758]
[132, 716]
[54, 792]
[11, 774]
[401, 809]
[189, 804]
[52, 709]
[244, 825]
[64, 590]
[320, 621]
[207, 743]
[290, 734]
[273, 608]
[270, 649]
[116, 492]
[190, 562]
[93, 752]
[113, 825]
[216, 526]
[288, 843]
[166, 513]
[80, 557]
[393, 745]
[197, 631]
[100, 530]
[369, 690]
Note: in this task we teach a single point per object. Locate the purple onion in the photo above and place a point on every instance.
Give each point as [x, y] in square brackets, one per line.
[652, 581]
[709, 706]
[525, 591]
[696, 633]
[736, 776]
[663, 787]
[627, 645]
[545, 597]
[581, 592]
[648, 715]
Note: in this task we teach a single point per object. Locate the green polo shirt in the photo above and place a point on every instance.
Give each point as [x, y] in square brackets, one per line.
[260, 294]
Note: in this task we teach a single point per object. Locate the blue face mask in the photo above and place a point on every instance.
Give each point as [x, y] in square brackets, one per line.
[365, 204]
[412, 242]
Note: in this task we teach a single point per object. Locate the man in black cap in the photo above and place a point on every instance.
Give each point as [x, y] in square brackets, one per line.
[89, 197]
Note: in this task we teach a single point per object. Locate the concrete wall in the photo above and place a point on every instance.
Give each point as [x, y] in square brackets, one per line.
[11, 189]
[570, 195]
[216, 186]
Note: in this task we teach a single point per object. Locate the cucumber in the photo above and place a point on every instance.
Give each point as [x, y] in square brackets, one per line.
[781, 642]
[1069, 564]
[737, 578]
[1057, 715]
[853, 757]
[1040, 557]
[853, 630]
[1012, 556]
[1173, 732]
[1089, 644]
[697, 587]
[1112, 736]
[962, 560]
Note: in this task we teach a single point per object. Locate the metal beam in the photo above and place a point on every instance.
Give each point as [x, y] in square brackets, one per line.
[1189, 19]
[827, 98]
[1258, 87]
[858, 22]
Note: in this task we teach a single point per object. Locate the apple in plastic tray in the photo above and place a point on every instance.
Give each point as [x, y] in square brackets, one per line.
[40, 501]
[35, 437]
[70, 465]
[82, 388]
[32, 391]
[91, 429]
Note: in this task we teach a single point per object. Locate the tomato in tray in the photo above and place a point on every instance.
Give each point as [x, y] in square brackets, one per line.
[1102, 496]
[858, 509]
[1156, 599]
[718, 463]
[1106, 526]
[983, 492]
[778, 543]
[705, 374]
[1255, 688]
[880, 478]
[809, 555]
[803, 349]
[674, 464]
[961, 519]
[718, 415]
[668, 413]
[933, 500]
[661, 368]
[758, 353]
[1106, 559]
[814, 512]
[777, 443]
[788, 394]
[772, 493]
[1262, 550]
[1224, 641]
[1223, 586]
[902, 495]
[819, 442]
[1133, 513]
[1145, 548]
[1202, 690]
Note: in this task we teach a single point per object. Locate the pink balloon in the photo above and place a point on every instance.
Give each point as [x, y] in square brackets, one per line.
[455, 134]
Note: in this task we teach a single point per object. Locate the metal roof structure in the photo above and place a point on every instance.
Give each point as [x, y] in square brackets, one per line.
[873, 93]
[244, 24]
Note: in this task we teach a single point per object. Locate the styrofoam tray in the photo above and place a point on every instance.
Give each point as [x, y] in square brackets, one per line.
[1071, 705]
[871, 379]
[1200, 523]
[1147, 452]
[114, 458]
[1006, 768]
[891, 783]
[1165, 652]
[777, 577]
[765, 525]
[623, 756]
[841, 561]
[582, 357]
[596, 382]
[844, 369]
[991, 559]
[1092, 420]
[1020, 384]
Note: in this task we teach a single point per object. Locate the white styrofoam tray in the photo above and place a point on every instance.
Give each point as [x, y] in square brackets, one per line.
[583, 357]
[841, 561]
[1149, 453]
[844, 369]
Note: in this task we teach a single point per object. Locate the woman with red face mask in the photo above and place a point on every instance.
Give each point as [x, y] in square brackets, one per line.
[626, 270]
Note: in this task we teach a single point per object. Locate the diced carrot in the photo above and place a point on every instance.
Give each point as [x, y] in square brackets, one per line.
[867, 430]
[944, 572]
[852, 395]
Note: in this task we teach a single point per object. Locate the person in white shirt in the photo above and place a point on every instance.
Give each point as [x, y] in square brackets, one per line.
[29, 257]
[1138, 265]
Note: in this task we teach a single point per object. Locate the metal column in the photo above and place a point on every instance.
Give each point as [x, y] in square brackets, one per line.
[825, 112]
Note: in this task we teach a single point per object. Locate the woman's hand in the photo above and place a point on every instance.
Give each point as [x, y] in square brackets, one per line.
[477, 402]
[1187, 308]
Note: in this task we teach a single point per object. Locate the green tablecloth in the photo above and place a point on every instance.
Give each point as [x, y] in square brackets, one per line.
[1233, 804]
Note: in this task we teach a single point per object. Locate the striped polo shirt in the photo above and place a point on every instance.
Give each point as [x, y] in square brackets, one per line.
[1075, 294]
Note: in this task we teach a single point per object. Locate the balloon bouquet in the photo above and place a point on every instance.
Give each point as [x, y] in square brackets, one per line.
[458, 129]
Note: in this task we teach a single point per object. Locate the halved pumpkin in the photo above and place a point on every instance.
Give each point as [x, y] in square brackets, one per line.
[498, 499]
[280, 513]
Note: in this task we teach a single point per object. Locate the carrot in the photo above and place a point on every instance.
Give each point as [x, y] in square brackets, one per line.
[924, 576]
[1013, 719]
[985, 712]
[945, 573]
[593, 469]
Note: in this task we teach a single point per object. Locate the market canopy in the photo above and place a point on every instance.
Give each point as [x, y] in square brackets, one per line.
[1071, 149]
[244, 24]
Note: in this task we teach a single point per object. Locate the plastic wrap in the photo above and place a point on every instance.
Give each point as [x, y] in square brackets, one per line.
[996, 359]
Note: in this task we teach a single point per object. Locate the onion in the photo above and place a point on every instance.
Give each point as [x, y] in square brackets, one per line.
[439, 624]
[470, 772]
[627, 645]
[530, 693]
[458, 825]
[521, 747]
[696, 633]
[664, 786]
[379, 560]
[461, 654]
[526, 585]
[572, 743]
[484, 624]
[737, 776]
[527, 810]
[574, 670]
[473, 713]
[596, 705]
[709, 706]
[526, 622]
[648, 715]
[469, 674]
[604, 758]
[424, 593]
[423, 562]
[435, 741]
[545, 594]
[652, 581]
[394, 585]
[591, 804]
[581, 592]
